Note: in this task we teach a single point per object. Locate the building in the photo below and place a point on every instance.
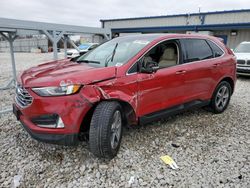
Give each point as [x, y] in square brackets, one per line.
[28, 44]
[233, 25]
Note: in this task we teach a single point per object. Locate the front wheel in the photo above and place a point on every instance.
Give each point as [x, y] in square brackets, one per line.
[221, 97]
[105, 132]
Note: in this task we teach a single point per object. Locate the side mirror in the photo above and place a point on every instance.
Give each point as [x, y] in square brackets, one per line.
[149, 67]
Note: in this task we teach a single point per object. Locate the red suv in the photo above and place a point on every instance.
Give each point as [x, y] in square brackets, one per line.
[126, 81]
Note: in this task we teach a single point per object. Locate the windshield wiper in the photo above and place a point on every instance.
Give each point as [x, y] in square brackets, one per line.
[88, 61]
[112, 57]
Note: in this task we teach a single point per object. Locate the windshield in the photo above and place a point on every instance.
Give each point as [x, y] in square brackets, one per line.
[115, 52]
[84, 46]
[243, 48]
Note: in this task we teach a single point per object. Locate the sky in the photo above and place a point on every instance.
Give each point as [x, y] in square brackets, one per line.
[89, 12]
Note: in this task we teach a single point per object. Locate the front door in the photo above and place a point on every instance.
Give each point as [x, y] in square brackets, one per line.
[164, 88]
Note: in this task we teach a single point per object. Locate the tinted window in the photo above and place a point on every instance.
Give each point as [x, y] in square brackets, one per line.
[196, 50]
[133, 69]
[216, 50]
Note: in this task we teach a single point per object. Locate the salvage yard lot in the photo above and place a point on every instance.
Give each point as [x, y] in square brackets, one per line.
[210, 150]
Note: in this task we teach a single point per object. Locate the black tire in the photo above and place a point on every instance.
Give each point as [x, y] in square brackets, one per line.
[101, 134]
[215, 108]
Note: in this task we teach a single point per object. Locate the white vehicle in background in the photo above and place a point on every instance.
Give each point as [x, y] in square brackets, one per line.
[242, 53]
[72, 53]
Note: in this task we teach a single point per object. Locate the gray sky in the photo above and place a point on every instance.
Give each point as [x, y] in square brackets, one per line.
[89, 12]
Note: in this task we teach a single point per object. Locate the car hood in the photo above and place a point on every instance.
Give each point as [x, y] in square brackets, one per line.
[52, 73]
[242, 56]
[72, 51]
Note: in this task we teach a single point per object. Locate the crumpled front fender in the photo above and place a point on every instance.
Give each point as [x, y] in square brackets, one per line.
[94, 94]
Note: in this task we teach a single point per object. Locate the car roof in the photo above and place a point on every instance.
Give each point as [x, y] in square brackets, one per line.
[168, 35]
[157, 37]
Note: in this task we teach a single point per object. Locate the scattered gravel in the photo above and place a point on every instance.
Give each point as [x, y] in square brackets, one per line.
[210, 150]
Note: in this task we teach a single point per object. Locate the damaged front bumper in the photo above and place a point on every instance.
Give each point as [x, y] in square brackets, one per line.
[55, 120]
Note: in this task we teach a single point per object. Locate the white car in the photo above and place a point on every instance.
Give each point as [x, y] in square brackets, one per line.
[72, 53]
[242, 53]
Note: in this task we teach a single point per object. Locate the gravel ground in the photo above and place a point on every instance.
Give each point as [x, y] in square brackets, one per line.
[210, 150]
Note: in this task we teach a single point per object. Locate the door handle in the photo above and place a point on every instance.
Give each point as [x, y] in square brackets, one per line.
[180, 72]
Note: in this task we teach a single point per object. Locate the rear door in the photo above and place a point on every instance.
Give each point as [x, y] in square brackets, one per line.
[202, 68]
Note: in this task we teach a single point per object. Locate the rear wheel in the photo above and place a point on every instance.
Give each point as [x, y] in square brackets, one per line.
[105, 132]
[221, 97]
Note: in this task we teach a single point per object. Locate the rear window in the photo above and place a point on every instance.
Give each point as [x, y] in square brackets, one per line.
[216, 50]
[196, 50]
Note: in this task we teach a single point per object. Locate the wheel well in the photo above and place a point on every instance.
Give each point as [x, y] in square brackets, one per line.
[85, 125]
[129, 115]
[230, 81]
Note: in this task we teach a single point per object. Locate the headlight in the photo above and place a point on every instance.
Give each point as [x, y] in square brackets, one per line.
[57, 91]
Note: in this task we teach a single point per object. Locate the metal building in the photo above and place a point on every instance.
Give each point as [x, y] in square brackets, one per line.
[25, 44]
[233, 25]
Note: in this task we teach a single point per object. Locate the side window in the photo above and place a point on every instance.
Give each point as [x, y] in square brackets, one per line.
[165, 54]
[133, 69]
[196, 50]
[216, 50]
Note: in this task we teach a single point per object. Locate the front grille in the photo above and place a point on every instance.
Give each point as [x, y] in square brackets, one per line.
[241, 62]
[69, 53]
[23, 98]
[243, 71]
[248, 62]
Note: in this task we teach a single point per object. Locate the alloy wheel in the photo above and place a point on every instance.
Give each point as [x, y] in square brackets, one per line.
[116, 128]
[222, 97]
